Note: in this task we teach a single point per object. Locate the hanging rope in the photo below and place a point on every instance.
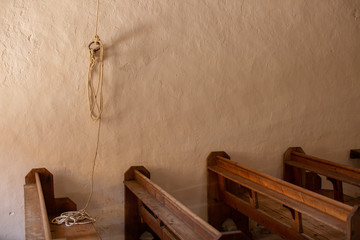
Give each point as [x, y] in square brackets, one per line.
[96, 49]
[95, 96]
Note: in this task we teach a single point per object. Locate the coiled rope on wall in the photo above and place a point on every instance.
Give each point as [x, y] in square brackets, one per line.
[96, 49]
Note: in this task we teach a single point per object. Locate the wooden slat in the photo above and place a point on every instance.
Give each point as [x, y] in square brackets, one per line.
[33, 226]
[279, 197]
[197, 225]
[346, 170]
[134, 227]
[347, 199]
[330, 169]
[253, 198]
[312, 228]
[345, 219]
[44, 216]
[261, 217]
[170, 219]
[287, 190]
[354, 223]
[167, 235]
[155, 224]
[319, 207]
[150, 220]
[75, 232]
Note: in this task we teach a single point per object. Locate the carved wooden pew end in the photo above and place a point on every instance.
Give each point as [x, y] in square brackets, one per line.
[41, 205]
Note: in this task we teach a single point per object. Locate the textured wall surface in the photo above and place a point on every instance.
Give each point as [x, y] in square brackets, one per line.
[182, 78]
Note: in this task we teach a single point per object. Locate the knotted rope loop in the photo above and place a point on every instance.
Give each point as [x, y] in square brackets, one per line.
[95, 95]
[96, 41]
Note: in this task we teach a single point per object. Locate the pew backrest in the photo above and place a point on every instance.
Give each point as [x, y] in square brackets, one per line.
[167, 217]
[297, 164]
[300, 201]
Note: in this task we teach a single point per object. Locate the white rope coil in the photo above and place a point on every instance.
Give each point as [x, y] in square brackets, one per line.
[73, 217]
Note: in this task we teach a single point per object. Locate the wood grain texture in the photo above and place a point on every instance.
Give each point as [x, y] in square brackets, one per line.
[273, 187]
[75, 232]
[43, 212]
[218, 211]
[157, 208]
[33, 224]
[296, 157]
[301, 202]
[40, 203]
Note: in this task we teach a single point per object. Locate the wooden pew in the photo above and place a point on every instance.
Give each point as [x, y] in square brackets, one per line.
[342, 221]
[304, 170]
[150, 208]
[41, 206]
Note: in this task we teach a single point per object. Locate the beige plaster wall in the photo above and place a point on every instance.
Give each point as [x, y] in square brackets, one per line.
[182, 78]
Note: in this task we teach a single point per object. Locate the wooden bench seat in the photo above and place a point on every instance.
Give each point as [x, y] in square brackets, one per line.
[41, 206]
[148, 207]
[305, 170]
[239, 193]
[338, 222]
[224, 175]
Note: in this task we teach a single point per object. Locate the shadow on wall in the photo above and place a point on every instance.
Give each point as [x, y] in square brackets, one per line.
[124, 38]
[121, 56]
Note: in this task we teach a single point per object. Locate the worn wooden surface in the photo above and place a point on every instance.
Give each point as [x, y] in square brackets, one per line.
[41, 204]
[301, 204]
[75, 232]
[43, 212]
[47, 184]
[282, 191]
[349, 200]
[167, 217]
[196, 224]
[218, 211]
[33, 224]
[311, 227]
[298, 165]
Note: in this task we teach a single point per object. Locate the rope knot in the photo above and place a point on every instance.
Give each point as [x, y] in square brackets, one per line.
[95, 93]
[98, 45]
[96, 38]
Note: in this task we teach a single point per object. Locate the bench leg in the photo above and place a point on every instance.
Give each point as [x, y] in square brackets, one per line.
[294, 175]
[338, 189]
[218, 211]
[296, 220]
[133, 226]
[299, 175]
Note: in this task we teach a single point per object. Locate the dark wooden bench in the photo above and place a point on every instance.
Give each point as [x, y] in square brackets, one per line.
[41, 206]
[150, 208]
[305, 170]
[231, 184]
